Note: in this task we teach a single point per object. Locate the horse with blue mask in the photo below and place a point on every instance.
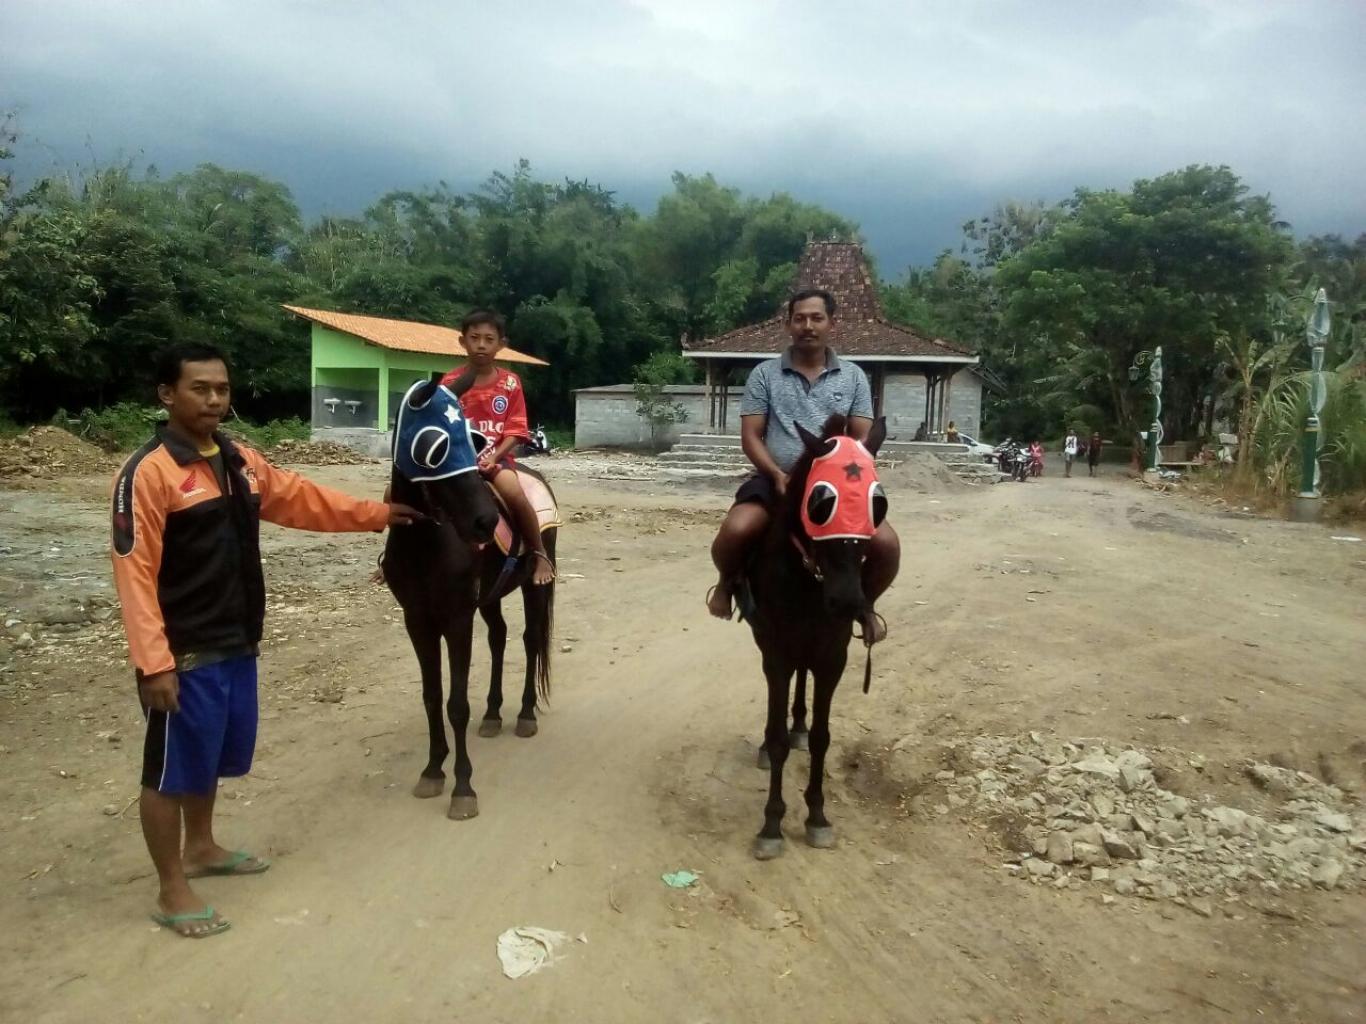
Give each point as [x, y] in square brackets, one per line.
[438, 570]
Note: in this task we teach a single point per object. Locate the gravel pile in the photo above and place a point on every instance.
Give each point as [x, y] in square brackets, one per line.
[316, 453]
[1092, 813]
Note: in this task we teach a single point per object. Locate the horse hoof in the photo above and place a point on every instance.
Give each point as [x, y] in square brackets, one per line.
[527, 727]
[762, 760]
[822, 837]
[799, 740]
[427, 788]
[463, 808]
[767, 849]
[490, 727]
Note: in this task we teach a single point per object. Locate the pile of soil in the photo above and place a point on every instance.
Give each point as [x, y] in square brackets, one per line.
[316, 453]
[47, 452]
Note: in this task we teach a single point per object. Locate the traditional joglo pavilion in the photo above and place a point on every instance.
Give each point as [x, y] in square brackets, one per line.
[362, 365]
[914, 378]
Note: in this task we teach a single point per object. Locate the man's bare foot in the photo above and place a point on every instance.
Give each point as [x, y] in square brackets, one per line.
[874, 628]
[542, 569]
[719, 601]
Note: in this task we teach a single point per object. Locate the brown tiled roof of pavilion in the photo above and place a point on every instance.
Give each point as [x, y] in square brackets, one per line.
[404, 335]
[861, 328]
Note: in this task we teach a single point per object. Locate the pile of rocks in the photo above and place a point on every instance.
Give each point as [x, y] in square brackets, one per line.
[1087, 811]
[316, 453]
[46, 452]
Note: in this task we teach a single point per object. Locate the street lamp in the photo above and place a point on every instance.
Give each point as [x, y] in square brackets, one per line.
[1153, 361]
[1316, 333]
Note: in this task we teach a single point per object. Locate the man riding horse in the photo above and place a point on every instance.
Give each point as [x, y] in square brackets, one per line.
[803, 387]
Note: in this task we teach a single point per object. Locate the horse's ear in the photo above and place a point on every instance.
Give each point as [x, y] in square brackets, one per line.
[813, 443]
[876, 435]
[462, 383]
[421, 396]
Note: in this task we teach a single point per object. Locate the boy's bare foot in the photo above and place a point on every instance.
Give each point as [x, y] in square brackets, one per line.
[542, 569]
[719, 601]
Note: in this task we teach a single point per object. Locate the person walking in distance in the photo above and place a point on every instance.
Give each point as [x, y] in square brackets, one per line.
[1070, 446]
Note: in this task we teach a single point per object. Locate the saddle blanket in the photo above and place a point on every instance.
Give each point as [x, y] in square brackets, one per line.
[547, 513]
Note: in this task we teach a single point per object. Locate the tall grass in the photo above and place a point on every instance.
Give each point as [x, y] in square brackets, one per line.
[1278, 430]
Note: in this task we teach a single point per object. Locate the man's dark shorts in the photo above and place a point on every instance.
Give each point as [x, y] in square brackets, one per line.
[757, 488]
[211, 737]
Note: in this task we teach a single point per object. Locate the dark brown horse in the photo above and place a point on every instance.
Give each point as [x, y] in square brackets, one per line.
[442, 571]
[804, 596]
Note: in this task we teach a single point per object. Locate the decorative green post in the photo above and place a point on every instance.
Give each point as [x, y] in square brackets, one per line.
[1316, 333]
[1154, 361]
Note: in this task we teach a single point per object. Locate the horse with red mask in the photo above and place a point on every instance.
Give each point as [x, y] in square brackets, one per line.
[802, 594]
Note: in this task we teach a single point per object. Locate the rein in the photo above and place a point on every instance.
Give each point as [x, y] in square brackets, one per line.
[809, 564]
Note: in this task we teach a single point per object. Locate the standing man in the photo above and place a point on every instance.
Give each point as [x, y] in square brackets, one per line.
[807, 384]
[1093, 447]
[186, 513]
[1070, 446]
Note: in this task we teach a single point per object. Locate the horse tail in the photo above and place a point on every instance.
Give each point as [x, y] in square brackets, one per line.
[545, 629]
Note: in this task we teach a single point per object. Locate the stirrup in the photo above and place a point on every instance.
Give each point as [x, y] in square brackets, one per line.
[862, 633]
[554, 574]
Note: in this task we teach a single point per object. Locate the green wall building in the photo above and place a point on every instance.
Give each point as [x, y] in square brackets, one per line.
[362, 365]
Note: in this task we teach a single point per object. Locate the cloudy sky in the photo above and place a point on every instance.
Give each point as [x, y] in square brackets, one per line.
[910, 117]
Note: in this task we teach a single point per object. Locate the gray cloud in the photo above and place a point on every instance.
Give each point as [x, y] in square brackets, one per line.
[910, 117]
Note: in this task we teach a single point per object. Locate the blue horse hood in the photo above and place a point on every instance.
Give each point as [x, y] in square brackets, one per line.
[432, 441]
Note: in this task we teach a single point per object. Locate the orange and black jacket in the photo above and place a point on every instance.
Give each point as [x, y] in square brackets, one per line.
[187, 556]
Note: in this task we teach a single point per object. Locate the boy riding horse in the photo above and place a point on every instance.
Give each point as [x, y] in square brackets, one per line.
[804, 386]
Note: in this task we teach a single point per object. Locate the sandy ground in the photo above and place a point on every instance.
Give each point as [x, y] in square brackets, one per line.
[1074, 608]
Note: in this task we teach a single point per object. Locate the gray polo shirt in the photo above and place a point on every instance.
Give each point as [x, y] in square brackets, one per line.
[780, 391]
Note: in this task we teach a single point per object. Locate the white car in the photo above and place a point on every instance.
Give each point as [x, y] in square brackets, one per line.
[977, 448]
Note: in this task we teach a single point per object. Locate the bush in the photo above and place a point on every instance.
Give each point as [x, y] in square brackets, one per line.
[267, 435]
[117, 428]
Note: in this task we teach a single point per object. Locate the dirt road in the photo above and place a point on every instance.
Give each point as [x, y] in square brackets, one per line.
[1078, 608]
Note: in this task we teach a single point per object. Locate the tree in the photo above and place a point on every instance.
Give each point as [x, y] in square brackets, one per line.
[650, 381]
[1175, 262]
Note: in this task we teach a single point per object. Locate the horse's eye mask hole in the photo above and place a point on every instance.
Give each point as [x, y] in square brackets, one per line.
[431, 446]
[821, 503]
[877, 504]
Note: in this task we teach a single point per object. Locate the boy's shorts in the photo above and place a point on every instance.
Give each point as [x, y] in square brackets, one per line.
[211, 737]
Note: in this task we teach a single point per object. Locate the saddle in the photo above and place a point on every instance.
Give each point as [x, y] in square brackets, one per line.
[505, 535]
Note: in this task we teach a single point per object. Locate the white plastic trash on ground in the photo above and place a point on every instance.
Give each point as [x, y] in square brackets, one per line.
[527, 949]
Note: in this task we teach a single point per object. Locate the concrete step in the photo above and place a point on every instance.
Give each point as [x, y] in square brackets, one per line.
[680, 452]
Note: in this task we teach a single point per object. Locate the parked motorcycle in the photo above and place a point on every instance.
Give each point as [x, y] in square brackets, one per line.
[1004, 455]
[539, 444]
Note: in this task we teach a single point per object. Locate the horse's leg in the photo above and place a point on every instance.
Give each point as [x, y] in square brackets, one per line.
[819, 832]
[538, 604]
[426, 640]
[492, 723]
[769, 842]
[798, 735]
[459, 637]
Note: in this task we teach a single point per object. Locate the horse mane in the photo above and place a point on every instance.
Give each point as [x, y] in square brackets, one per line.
[791, 519]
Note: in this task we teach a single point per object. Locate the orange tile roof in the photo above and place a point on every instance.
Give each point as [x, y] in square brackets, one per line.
[404, 335]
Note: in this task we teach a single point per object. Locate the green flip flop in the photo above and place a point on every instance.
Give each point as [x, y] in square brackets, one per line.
[239, 863]
[173, 922]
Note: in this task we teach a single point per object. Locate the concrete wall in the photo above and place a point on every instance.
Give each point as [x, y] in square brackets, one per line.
[903, 401]
[606, 417]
